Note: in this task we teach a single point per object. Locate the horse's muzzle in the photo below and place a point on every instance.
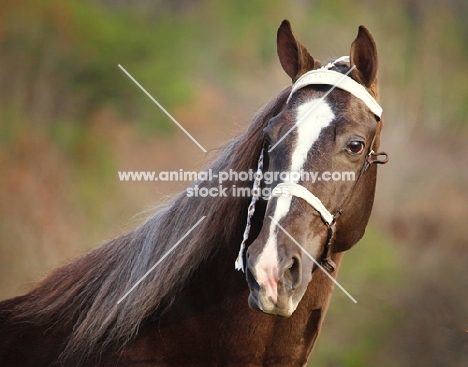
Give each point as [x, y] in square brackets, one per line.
[272, 296]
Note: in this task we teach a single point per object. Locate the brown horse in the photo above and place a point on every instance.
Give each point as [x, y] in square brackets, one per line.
[192, 308]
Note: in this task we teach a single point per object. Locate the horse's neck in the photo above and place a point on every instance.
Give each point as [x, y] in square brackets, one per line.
[211, 324]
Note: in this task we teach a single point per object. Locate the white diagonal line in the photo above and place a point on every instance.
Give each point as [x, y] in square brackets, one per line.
[315, 261]
[312, 108]
[162, 108]
[160, 260]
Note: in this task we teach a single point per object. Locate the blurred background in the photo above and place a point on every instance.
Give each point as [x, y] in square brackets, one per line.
[70, 119]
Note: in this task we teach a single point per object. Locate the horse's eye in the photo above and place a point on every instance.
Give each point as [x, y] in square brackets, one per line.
[355, 147]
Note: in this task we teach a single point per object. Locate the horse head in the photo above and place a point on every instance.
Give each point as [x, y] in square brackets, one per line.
[319, 150]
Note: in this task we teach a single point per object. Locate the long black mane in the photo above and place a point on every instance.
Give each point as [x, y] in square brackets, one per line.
[83, 295]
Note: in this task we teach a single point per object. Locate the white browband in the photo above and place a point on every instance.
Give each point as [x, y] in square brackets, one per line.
[338, 80]
[299, 191]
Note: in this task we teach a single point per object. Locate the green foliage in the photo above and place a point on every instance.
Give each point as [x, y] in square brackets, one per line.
[370, 272]
[61, 57]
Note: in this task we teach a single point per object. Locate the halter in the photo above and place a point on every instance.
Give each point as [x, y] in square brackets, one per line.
[320, 76]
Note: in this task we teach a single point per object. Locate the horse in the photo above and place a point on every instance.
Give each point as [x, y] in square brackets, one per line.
[115, 307]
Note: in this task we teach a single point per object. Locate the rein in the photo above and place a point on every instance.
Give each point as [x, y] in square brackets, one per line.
[320, 76]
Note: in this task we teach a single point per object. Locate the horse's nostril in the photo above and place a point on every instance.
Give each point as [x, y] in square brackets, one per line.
[294, 263]
[295, 271]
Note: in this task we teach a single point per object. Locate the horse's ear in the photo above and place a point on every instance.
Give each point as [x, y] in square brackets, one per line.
[363, 55]
[293, 57]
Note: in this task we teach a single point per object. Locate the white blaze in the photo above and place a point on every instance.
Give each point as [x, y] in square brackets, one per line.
[312, 118]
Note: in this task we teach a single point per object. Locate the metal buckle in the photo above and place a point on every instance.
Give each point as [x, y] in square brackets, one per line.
[379, 157]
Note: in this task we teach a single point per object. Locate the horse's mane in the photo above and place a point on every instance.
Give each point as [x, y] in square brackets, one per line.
[83, 295]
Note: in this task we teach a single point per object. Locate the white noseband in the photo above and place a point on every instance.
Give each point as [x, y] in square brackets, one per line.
[300, 191]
